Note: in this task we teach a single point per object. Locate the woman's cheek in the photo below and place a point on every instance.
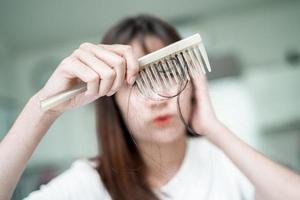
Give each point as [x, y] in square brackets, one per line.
[186, 103]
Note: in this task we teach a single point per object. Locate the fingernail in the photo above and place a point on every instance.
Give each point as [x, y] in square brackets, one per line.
[131, 80]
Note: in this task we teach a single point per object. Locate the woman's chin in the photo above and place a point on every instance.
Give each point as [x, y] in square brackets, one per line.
[164, 135]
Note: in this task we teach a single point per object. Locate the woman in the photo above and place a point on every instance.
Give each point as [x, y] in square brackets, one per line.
[146, 149]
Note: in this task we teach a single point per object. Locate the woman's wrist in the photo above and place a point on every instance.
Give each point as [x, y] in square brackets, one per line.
[215, 131]
[33, 121]
[40, 114]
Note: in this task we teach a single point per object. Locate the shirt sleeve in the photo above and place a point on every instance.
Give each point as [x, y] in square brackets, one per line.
[79, 182]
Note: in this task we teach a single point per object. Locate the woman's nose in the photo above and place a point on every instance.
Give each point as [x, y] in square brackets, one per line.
[157, 103]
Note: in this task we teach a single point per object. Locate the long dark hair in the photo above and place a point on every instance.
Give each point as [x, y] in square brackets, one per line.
[121, 166]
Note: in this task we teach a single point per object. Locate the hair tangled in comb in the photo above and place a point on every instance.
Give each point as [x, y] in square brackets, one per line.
[121, 166]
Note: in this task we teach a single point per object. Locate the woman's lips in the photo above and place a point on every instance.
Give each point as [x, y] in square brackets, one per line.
[162, 120]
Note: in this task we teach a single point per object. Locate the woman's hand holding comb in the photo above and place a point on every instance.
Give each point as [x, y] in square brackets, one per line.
[103, 68]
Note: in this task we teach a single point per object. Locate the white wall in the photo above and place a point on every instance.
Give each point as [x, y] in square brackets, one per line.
[4, 68]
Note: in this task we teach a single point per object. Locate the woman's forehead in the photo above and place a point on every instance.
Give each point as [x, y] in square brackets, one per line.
[152, 43]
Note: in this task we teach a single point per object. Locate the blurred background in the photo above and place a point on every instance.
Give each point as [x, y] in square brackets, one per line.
[253, 47]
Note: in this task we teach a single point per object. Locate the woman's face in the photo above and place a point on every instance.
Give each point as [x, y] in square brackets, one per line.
[149, 120]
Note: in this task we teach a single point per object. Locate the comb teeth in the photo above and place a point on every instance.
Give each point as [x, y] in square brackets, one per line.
[164, 71]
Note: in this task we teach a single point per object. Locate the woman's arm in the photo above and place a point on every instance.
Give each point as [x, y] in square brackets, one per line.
[112, 64]
[271, 180]
[18, 145]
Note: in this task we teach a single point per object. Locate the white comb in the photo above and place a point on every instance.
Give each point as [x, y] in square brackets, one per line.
[162, 72]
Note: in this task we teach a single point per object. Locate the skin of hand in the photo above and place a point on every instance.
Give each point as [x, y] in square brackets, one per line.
[104, 68]
[204, 117]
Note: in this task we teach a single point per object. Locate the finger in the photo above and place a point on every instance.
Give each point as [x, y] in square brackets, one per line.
[106, 73]
[77, 69]
[131, 61]
[115, 61]
[201, 87]
[119, 80]
[109, 57]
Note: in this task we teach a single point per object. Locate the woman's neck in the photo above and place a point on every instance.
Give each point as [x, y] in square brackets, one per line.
[163, 160]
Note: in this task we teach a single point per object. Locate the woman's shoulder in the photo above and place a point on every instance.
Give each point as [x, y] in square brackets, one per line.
[84, 165]
[80, 181]
[203, 149]
[224, 169]
[200, 146]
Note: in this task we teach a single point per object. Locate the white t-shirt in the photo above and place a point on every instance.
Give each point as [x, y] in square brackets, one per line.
[206, 173]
